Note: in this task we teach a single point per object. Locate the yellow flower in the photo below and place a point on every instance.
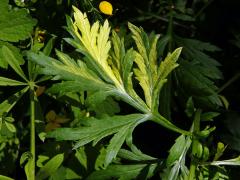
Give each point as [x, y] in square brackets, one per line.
[106, 7]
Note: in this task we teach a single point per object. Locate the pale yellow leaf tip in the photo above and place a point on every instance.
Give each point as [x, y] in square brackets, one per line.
[106, 7]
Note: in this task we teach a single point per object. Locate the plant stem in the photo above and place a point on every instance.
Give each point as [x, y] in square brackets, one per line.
[203, 8]
[195, 142]
[229, 82]
[156, 117]
[32, 135]
[167, 124]
[170, 27]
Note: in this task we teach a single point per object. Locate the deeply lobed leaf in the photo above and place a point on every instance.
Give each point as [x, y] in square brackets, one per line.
[98, 129]
[15, 51]
[69, 70]
[94, 44]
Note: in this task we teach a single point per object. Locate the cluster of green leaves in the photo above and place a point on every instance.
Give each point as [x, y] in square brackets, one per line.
[103, 71]
[198, 71]
[16, 25]
[104, 75]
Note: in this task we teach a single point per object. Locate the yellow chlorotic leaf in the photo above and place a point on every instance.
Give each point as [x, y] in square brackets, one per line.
[51, 116]
[106, 7]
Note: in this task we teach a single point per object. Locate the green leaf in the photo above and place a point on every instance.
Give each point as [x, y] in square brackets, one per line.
[134, 156]
[25, 157]
[10, 127]
[220, 149]
[102, 104]
[176, 159]
[115, 144]
[136, 171]
[177, 150]
[224, 101]
[9, 103]
[229, 162]
[50, 167]
[118, 50]
[41, 159]
[181, 5]
[208, 116]
[165, 68]
[193, 81]
[5, 177]
[169, 63]
[82, 156]
[199, 45]
[10, 58]
[94, 44]
[190, 109]
[49, 46]
[162, 44]
[10, 82]
[15, 51]
[150, 76]
[3, 8]
[126, 65]
[9, 119]
[213, 173]
[64, 173]
[59, 174]
[211, 102]
[28, 169]
[15, 24]
[73, 86]
[68, 69]
[121, 60]
[146, 60]
[99, 163]
[97, 129]
[193, 51]
[70, 174]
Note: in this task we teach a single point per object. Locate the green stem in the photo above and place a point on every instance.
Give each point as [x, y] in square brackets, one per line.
[203, 8]
[167, 124]
[32, 136]
[170, 28]
[195, 142]
[156, 117]
[229, 82]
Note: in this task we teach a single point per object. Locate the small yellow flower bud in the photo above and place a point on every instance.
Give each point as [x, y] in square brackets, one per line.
[106, 7]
